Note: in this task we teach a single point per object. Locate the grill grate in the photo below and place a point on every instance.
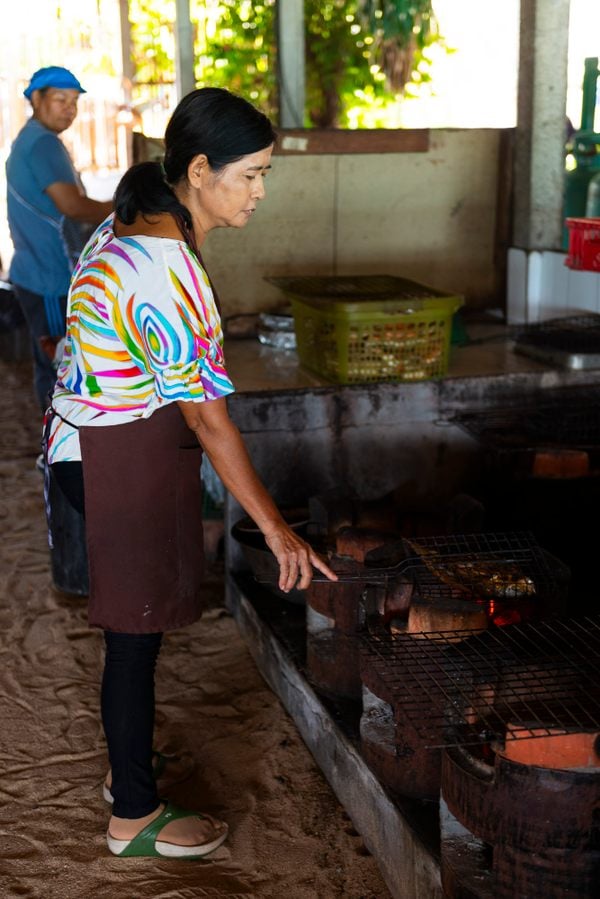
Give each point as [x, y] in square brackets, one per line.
[465, 688]
[353, 288]
[488, 568]
[574, 334]
[568, 419]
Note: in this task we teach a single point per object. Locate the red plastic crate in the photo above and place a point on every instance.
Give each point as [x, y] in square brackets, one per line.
[584, 244]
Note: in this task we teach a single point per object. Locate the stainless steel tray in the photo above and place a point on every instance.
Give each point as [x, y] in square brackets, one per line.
[560, 358]
[567, 342]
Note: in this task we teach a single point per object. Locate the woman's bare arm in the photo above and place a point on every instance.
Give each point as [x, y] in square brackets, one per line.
[224, 446]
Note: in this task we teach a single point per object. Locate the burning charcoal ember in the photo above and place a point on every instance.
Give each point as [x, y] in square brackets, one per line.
[530, 744]
[507, 573]
[560, 463]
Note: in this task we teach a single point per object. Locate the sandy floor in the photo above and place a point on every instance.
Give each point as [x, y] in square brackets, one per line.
[289, 836]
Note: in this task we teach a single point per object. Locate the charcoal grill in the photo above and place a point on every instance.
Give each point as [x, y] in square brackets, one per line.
[464, 688]
[567, 418]
[505, 689]
[445, 574]
[540, 825]
[498, 570]
[571, 342]
[492, 569]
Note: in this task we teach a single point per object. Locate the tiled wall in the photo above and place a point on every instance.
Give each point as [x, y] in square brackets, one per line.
[540, 286]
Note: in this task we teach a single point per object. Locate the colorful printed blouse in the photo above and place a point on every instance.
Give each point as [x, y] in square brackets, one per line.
[143, 330]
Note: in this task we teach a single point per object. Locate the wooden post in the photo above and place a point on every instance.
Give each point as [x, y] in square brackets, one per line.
[291, 66]
[123, 131]
[541, 124]
[184, 49]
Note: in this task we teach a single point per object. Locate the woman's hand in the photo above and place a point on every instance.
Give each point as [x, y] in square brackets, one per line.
[223, 444]
[296, 559]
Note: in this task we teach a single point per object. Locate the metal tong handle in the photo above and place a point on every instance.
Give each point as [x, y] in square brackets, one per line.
[372, 575]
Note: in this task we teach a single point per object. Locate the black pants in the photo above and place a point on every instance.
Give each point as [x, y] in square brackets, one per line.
[127, 702]
[127, 697]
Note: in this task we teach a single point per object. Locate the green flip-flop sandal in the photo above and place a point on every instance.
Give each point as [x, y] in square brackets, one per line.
[146, 842]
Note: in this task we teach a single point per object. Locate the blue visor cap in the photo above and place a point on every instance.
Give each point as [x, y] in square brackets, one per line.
[53, 76]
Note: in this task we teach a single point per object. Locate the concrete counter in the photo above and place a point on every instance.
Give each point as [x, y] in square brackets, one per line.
[306, 436]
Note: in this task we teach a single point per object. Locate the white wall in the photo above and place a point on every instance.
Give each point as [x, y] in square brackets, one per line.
[542, 286]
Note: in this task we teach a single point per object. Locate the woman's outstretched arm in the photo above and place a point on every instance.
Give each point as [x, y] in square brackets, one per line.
[225, 447]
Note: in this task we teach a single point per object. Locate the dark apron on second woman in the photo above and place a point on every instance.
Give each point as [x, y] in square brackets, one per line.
[143, 516]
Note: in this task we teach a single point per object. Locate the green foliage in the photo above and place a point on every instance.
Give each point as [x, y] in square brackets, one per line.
[153, 41]
[360, 54]
[235, 48]
[402, 20]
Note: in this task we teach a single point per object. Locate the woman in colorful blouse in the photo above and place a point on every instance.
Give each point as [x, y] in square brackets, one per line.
[141, 392]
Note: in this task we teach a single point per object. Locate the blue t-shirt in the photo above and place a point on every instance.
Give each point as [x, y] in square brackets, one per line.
[46, 242]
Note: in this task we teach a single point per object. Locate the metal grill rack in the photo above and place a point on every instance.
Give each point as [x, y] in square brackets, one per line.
[469, 688]
[353, 288]
[488, 568]
[571, 342]
[568, 419]
[577, 333]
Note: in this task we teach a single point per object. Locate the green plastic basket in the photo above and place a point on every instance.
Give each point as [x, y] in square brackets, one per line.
[370, 328]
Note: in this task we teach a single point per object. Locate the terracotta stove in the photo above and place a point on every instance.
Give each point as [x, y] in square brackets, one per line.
[514, 713]
[474, 685]
[334, 612]
[523, 773]
[474, 692]
[460, 582]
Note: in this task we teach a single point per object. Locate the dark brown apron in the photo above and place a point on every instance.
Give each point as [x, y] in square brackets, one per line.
[143, 516]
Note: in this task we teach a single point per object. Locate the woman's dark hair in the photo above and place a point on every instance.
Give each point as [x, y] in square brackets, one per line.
[209, 120]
